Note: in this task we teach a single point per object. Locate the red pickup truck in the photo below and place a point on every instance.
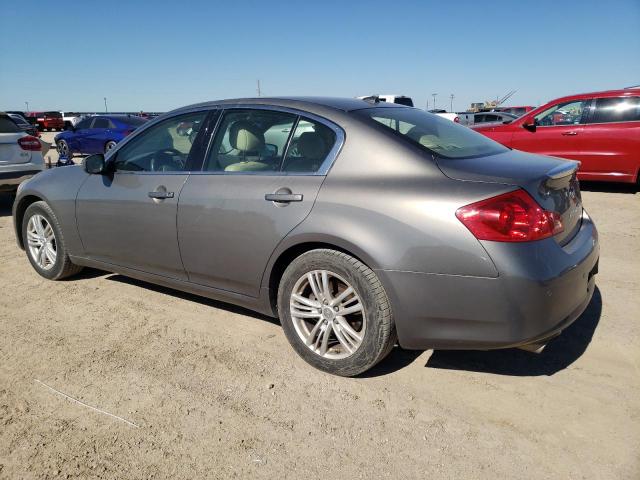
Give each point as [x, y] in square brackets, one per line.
[601, 130]
[46, 120]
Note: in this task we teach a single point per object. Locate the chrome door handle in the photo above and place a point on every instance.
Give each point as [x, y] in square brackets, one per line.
[569, 133]
[160, 194]
[283, 197]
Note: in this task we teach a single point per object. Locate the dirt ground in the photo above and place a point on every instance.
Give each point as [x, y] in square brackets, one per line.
[200, 389]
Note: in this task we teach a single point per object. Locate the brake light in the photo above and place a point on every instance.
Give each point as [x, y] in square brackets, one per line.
[510, 217]
[456, 120]
[29, 143]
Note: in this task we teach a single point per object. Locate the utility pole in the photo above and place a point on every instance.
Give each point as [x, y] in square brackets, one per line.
[259, 92]
[452, 96]
[27, 104]
[434, 100]
[106, 110]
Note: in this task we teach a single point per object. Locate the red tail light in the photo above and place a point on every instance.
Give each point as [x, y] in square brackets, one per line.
[29, 143]
[456, 119]
[510, 217]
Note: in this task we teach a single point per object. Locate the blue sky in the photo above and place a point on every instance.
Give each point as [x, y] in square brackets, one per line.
[157, 55]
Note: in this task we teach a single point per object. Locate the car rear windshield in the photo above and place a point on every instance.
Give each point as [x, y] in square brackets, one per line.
[7, 125]
[433, 133]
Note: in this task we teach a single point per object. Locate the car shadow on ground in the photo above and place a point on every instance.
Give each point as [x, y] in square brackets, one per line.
[609, 187]
[189, 297]
[6, 203]
[559, 353]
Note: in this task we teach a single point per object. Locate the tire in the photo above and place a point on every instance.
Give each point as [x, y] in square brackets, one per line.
[111, 144]
[61, 267]
[63, 146]
[372, 334]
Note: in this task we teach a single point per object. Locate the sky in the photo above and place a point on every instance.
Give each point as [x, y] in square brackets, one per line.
[159, 55]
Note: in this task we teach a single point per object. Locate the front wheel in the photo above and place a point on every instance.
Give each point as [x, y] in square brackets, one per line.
[44, 243]
[335, 312]
[110, 145]
[63, 149]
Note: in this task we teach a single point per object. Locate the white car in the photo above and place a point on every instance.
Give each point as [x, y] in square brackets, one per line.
[20, 155]
[448, 115]
[71, 119]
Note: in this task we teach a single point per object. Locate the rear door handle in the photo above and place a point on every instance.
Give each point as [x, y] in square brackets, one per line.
[569, 133]
[160, 194]
[283, 197]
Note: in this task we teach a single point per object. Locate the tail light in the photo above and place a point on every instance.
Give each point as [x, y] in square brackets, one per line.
[456, 119]
[510, 217]
[29, 143]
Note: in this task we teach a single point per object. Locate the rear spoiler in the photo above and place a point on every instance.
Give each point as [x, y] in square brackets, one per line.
[563, 170]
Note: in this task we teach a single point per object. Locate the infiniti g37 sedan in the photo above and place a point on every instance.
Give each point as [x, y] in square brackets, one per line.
[358, 224]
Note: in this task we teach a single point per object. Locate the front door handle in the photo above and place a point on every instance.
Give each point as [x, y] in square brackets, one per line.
[159, 194]
[569, 133]
[283, 197]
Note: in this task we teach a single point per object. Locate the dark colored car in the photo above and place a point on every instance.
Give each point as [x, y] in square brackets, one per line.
[357, 224]
[46, 120]
[97, 134]
[601, 130]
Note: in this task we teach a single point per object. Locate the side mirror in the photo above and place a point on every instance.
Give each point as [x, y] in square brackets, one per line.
[95, 164]
[530, 124]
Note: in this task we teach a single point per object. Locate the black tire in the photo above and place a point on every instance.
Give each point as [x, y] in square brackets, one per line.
[380, 334]
[61, 145]
[63, 267]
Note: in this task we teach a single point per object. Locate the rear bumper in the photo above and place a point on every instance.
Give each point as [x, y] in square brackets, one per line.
[541, 289]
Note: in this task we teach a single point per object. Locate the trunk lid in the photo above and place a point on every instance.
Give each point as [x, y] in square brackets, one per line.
[551, 181]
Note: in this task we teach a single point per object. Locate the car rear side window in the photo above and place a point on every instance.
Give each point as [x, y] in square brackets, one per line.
[311, 143]
[608, 110]
[7, 126]
[101, 123]
[433, 133]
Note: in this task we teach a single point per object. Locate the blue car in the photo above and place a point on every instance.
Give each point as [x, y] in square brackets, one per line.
[97, 134]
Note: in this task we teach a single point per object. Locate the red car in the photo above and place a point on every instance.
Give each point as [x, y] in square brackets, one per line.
[517, 111]
[46, 120]
[601, 130]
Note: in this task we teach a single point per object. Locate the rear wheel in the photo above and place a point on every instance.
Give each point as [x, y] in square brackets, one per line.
[44, 243]
[335, 312]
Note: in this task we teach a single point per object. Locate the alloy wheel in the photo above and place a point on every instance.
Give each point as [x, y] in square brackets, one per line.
[41, 240]
[328, 314]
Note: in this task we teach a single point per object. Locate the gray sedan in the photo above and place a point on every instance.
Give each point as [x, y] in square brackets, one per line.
[358, 224]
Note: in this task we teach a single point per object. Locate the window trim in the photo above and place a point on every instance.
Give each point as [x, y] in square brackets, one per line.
[324, 167]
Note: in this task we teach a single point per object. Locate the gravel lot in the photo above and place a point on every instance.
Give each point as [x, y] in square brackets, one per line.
[210, 390]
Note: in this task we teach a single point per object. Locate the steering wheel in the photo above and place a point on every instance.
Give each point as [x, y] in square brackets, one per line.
[164, 160]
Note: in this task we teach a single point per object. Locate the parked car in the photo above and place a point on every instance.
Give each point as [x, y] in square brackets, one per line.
[46, 120]
[410, 227]
[397, 99]
[517, 111]
[471, 118]
[454, 117]
[601, 130]
[70, 119]
[97, 134]
[23, 125]
[20, 154]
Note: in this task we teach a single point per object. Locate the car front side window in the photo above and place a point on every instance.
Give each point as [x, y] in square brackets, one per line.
[568, 113]
[164, 147]
[84, 124]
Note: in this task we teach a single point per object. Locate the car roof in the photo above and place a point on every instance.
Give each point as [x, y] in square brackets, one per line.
[621, 92]
[304, 103]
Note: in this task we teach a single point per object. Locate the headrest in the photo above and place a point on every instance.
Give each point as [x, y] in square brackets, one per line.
[312, 146]
[246, 137]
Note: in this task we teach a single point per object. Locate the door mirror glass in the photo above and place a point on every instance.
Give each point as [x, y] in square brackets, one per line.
[95, 164]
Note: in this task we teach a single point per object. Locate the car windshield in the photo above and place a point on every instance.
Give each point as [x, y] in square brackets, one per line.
[7, 125]
[433, 133]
